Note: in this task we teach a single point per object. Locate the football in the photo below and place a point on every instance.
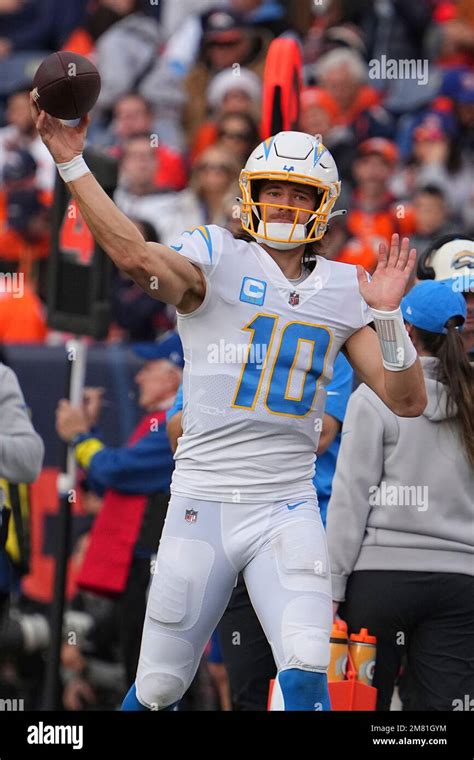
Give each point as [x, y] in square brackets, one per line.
[66, 85]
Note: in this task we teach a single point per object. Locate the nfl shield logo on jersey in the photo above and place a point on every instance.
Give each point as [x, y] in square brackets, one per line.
[294, 298]
[190, 515]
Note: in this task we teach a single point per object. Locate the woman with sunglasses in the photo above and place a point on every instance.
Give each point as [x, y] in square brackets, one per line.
[204, 201]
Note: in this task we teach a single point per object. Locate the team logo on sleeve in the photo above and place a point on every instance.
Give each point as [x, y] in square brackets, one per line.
[190, 516]
[253, 291]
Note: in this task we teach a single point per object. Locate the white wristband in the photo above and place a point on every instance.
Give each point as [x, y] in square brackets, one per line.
[398, 352]
[73, 169]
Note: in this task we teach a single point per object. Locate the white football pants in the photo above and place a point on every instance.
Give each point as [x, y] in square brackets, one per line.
[281, 549]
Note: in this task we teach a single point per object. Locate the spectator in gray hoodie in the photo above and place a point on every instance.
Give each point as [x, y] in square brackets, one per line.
[401, 519]
[21, 457]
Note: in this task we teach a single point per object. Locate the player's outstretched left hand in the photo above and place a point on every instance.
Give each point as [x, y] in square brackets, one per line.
[389, 281]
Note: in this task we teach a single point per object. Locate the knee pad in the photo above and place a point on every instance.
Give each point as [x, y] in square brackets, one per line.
[165, 670]
[162, 690]
[306, 631]
[131, 703]
[297, 689]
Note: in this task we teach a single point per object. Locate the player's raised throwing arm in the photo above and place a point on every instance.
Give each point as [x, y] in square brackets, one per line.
[388, 362]
[159, 270]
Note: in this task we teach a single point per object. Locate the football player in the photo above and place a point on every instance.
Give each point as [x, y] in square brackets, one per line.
[451, 260]
[260, 331]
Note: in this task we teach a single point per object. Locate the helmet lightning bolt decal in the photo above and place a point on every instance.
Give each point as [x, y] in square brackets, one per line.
[319, 151]
[267, 146]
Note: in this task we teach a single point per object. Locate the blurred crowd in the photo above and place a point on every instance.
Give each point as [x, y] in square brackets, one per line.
[179, 109]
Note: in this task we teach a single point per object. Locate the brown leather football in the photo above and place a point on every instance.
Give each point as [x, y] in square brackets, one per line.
[66, 85]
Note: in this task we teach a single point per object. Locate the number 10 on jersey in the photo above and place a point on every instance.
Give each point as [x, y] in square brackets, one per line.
[280, 396]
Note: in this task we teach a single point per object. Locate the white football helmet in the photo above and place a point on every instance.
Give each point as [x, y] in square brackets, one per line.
[449, 258]
[294, 157]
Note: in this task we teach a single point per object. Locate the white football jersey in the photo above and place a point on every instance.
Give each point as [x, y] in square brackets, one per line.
[259, 352]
